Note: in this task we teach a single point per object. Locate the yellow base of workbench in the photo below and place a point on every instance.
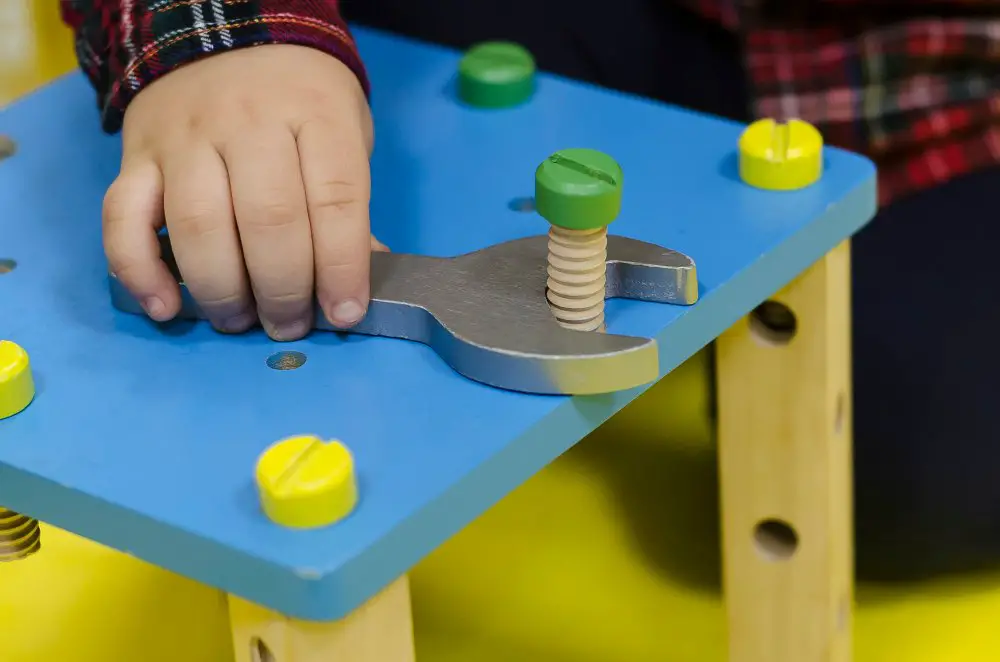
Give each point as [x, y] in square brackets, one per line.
[581, 569]
[573, 567]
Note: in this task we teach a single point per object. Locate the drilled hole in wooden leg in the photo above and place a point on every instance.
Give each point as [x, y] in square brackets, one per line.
[259, 651]
[838, 413]
[775, 539]
[773, 323]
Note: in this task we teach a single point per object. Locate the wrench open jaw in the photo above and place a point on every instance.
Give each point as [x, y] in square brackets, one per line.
[486, 315]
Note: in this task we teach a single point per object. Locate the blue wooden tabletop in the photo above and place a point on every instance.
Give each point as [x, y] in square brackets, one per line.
[145, 438]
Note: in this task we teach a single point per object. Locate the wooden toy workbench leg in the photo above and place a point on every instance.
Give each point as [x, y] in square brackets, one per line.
[784, 390]
[381, 630]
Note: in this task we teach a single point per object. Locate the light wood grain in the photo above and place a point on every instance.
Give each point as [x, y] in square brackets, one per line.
[785, 455]
[381, 630]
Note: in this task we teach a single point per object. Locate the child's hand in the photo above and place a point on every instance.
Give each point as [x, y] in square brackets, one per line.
[257, 160]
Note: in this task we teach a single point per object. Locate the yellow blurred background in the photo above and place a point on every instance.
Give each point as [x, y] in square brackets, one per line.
[34, 46]
[609, 555]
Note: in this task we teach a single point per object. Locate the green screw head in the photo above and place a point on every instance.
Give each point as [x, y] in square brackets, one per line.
[496, 74]
[579, 189]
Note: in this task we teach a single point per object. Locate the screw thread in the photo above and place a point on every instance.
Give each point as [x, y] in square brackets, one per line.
[20, 536]
[577, 277]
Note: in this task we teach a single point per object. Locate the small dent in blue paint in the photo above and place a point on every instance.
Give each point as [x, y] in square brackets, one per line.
[308, 574]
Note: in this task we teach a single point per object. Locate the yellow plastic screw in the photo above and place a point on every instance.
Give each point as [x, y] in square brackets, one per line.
[305, 482]
[17, 388]
[781, 156]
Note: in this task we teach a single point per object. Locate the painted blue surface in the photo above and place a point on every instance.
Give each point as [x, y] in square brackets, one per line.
[145, 438]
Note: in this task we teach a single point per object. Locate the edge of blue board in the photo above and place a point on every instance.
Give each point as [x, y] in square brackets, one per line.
[329, 594]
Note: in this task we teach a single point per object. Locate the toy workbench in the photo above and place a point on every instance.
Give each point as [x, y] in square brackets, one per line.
[154, 439]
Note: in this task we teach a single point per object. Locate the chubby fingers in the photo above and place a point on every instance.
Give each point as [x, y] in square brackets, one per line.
[335, 172]
[132, 215]
[204, 237]
[273, 220]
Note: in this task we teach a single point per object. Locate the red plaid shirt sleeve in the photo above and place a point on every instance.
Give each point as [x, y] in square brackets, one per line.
[123, 45]
[910, 83]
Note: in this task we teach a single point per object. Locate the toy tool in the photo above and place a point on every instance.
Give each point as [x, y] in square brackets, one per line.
[486, 314]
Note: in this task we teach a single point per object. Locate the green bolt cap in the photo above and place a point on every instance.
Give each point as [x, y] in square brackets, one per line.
[496, 74]
[579, 189]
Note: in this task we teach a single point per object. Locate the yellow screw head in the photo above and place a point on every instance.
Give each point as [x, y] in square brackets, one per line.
[17, 388]
[781, 156]
[305, 482]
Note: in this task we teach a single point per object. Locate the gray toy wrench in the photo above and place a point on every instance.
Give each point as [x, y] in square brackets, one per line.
[486, 315]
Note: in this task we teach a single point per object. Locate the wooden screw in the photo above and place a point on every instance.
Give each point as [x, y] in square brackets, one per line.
[579, 192]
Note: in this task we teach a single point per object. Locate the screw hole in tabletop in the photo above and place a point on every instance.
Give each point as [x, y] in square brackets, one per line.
[523, 204]
[7, 148]
[286, 360]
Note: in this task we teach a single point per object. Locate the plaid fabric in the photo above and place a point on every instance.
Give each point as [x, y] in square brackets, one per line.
[123, 45]
[910, 83]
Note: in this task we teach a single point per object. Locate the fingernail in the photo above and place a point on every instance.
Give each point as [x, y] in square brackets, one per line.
[346, 313]
[290, 331]
[153, 306]
[237, 324]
